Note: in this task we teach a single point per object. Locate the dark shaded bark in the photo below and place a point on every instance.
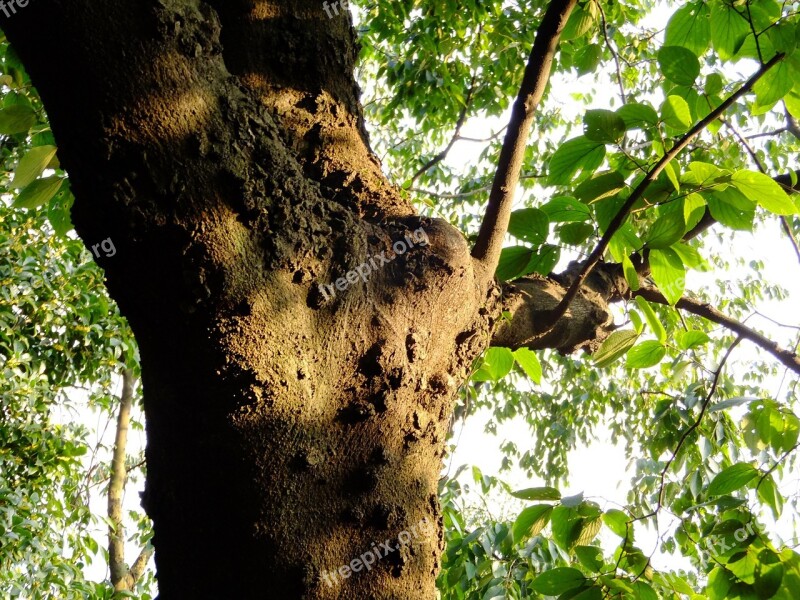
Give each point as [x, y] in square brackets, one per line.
[221, 146]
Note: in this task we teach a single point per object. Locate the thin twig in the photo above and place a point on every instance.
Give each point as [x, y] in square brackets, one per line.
[604, 29]
[484, 188]
[462, 117]
[692, 427]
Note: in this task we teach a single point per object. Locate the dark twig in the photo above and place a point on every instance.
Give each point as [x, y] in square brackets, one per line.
[462, 117]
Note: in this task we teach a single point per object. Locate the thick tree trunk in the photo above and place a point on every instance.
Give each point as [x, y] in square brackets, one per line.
[290, 430]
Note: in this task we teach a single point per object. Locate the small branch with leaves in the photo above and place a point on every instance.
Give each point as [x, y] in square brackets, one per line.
[621, 215]
[122, 577]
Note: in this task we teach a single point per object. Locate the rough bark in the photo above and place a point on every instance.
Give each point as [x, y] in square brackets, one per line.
[221, 146]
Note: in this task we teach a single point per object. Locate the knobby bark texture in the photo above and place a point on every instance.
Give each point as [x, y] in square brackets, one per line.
[222, 147]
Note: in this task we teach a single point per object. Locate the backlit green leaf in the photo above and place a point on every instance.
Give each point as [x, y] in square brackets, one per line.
[765, 191]
[577, 154]
[669, 273]
[678, 64]
[731, 479]
[614, 346]
[645, 355]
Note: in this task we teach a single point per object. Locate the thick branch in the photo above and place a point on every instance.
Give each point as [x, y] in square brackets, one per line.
[537, 72]
[786, 357]
[137, 568]
[528, 300]
[636, 195]
[116, 487]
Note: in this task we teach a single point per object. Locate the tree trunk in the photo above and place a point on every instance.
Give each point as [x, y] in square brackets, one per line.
[291, 428]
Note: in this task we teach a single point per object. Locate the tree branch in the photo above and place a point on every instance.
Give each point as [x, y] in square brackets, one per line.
[138, 567]
[696, 424]
[637, 194]
[786, 357]
[456, 135]
[528, 299]
[467, 193]
[116, 487]
[537, 72]
[604, 30]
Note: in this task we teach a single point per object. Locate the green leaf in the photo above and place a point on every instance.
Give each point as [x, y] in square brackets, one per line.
[645, 355]
[669, 273]
[38, 192]
[599, 186]
[652, 319]
[679, 64]
[614, 346]
[580, 22]
[591, 557]
[667, 230]
[638, 116]
[564, 209]
[689, 27]
[577, 154]
[768, 574]
[587, 58]
[32, 164]
[513, 262]
[676, 114]
[616, 521]
[557, 581]
[529, 362]
[644, 591]
[714, 84]
[719, 583]
[692, 339]
[498, 362]
[58, 211]
[729, 29]
[774, 85]
[732, 478]
[543, 260]
[631, 276]
[703, 174]
[669, 171]
[529, 224]
[531, 521]
[731, 208]
[538, 493]
[16, 119]
[765, 191]
[575, 233]
[601, 125]
[694, 207]
[769, 494]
